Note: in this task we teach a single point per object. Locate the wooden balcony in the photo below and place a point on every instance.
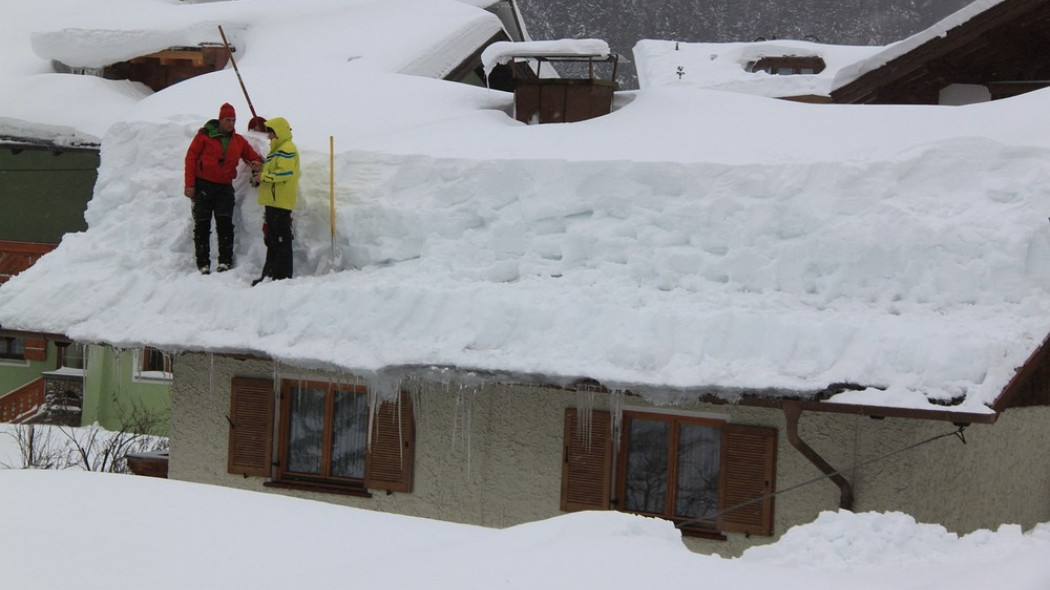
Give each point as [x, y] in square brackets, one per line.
[23, 403]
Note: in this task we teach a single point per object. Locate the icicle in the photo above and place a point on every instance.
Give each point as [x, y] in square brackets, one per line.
[616, 402]
[467, 425]
[455, 416]
[461, 420]
[585, 415]
[276, 382]
[400, 433]
[373, 413]
[121, 355]
[415, 394]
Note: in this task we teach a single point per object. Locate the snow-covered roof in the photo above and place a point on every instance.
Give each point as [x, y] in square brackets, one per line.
[418, 37]
[504, 51]
[394, 34]
[690, 242]
[724, 66]
[891, 52]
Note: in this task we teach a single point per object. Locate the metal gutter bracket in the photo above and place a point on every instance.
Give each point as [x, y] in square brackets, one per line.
[792, 413]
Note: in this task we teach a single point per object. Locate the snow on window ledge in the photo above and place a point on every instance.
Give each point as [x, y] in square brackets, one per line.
[152, 377]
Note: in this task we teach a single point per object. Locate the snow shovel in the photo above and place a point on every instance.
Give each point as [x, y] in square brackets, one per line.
[256, 123]
[335, 263]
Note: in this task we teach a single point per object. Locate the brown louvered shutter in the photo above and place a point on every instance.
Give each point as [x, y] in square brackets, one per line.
[251, 426]
[391, 454]
[749, 466]
[35, 349]
[586, 462]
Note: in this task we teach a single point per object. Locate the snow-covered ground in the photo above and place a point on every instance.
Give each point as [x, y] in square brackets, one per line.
[69, 529]
[90, 448]
[119, 531]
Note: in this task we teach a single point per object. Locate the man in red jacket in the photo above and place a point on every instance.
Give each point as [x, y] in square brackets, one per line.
[211, 166]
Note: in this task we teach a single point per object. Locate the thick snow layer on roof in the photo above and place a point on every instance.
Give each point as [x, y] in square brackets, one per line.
[418, 37]
[724, 66]
[30, 111]
[504, 51]
[891, 52]
[392, 35]
[693, 240]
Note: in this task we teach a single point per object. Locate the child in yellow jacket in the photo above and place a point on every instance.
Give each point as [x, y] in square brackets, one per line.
[278, 180]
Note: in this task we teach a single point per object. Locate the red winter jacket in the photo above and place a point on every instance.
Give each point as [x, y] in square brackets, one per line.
[206, 158]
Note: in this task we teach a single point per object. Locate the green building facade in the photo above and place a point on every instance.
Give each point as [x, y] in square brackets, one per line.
[45, 378]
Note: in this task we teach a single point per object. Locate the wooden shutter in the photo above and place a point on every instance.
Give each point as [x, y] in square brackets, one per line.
[391, 453]
[35, 349]
[749, 466]
[251, 427]
[586, 462]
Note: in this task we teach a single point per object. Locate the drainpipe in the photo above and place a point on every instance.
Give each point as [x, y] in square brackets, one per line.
[792, 412]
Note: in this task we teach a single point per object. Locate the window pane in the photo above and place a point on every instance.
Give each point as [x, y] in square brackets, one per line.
[349, 434]
[306, 429]
[696, 490]
[11, 347]
[154, 360]
[646, 476]
[72, 356]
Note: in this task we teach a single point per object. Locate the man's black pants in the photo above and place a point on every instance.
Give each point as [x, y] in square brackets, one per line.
[213, 200]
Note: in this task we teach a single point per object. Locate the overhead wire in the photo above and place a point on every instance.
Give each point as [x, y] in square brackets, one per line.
[959, 433]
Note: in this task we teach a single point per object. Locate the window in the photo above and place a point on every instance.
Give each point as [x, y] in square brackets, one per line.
[700, 471]
[12, 347]
[155, 361]
[324, 432]
[670, 467]
[787, 65]
[19, 348]
[71, 356]
[329, 437]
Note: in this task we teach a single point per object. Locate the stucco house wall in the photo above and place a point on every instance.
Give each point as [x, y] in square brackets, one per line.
[493, 456]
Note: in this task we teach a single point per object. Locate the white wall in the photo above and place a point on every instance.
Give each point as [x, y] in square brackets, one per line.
[492, 457]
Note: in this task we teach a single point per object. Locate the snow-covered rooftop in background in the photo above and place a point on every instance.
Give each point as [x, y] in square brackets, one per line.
[504, 51]
[891, 52]
[417, 37]
[692, 241]
[724, 66]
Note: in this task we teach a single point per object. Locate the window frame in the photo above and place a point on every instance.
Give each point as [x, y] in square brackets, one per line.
[283, 474]
[8, 347]
[747, 470]
[675, 421]
[788, 65]
[64, 356]
[148, 361]
[146, 367]
[259, 411]
[33, 348]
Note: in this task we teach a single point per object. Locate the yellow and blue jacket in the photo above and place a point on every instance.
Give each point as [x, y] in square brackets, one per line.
[279, 176]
